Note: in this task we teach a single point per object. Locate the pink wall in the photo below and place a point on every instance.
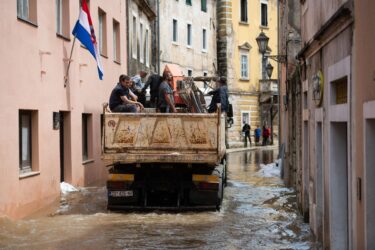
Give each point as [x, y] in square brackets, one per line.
[364, 89]
[33, 80]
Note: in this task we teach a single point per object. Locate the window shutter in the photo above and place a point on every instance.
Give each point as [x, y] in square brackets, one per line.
[204, 5]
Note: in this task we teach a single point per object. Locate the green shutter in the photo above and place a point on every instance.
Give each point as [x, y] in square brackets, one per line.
[188, 2]
[204, 5]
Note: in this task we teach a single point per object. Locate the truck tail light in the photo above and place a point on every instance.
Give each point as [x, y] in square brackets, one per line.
[206, 182]
[208, 186]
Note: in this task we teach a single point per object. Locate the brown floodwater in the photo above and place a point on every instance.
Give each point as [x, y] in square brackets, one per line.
[257, 213]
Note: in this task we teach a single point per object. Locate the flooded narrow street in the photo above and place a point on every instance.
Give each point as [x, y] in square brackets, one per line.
[258, 212]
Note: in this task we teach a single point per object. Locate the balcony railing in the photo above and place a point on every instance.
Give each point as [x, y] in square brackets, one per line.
[269, 86]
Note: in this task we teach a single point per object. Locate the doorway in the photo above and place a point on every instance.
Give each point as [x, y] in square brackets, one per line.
[64, 131]
[338, 182]
[319, 181]
[370, 184]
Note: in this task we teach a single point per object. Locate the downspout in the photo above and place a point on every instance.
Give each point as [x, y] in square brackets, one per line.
[279, 74]
[158, 34]
[127, 36]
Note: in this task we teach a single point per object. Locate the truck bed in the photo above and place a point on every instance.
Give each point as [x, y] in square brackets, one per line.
[163, 138]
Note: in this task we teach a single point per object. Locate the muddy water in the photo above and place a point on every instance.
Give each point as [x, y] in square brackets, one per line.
[257, 213]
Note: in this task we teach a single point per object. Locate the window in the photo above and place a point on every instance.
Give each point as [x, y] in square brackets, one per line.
[175, 34]
[340, 91]
[188, 2]
[190, 72]
[264, 14]
[62, 18]
[25, 140]
[27, 10]
[134, 40]
[189, 35]
[204, 5]
[141, 45]
[102, 32]
[245, 117]
[204, 40]
[244, 67]
[244, 11]
[28, 136]
[116, 41]
[59, 16]
[205, 85]
[147, 59]
[86, 136]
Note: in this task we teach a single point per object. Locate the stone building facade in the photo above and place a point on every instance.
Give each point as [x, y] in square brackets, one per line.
[239, 59]
[290, 94]
[334, 171]
[141, 36]
[188, 36]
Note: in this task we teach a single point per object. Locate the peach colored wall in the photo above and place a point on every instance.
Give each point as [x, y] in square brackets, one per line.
[30, 80]
[364, 90]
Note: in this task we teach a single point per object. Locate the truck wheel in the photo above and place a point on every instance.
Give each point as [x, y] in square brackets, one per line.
[225, 172]
[220, 202]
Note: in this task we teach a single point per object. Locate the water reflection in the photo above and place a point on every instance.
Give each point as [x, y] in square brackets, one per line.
[257, 213]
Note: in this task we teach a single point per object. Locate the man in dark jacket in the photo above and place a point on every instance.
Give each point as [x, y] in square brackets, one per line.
[122, 99]
[219, 95]
[246, 130]
[153, 81]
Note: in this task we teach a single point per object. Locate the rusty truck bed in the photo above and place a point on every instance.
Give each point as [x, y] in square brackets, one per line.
[156, 137]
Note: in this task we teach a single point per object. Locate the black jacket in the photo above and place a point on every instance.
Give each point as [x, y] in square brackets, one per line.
[153, 81]
[219, 95]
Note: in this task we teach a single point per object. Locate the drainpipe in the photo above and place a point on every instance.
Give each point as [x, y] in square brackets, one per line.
[278, 73]
[127, 37]
[158, 34]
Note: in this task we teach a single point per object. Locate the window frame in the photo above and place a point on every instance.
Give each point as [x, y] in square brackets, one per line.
[116, 41]
[62, 19]
[244, 19]
[59, 17]
[204, 40]
[205, 84]
[86, 137]
[141, 43]
[243, 112]
[147, 44]
[242, 69]
[27, 165]
[134, 37]
[189, 35]
[204, 5]
[263, 3]
[102, 21]
[175, 31]
[28, 13]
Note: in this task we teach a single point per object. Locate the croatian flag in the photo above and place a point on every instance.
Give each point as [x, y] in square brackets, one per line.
[84, 31]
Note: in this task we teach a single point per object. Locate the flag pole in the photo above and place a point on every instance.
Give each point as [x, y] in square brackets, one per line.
[70, 60]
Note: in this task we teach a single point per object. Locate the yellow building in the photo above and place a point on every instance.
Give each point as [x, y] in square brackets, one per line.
[239, 59]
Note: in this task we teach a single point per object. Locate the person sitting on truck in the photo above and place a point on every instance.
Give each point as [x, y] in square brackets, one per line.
[153, 81]
[166, 100]
[122, 99]
[138, 86]
[219, 95]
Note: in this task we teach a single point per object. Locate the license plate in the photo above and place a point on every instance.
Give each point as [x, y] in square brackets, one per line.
[127, 193]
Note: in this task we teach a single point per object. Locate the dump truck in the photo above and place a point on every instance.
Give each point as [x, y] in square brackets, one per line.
[165, 160]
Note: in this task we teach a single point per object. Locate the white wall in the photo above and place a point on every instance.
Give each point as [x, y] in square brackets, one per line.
[179, 53]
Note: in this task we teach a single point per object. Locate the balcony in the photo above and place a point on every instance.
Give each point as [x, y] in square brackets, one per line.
[269, 86]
